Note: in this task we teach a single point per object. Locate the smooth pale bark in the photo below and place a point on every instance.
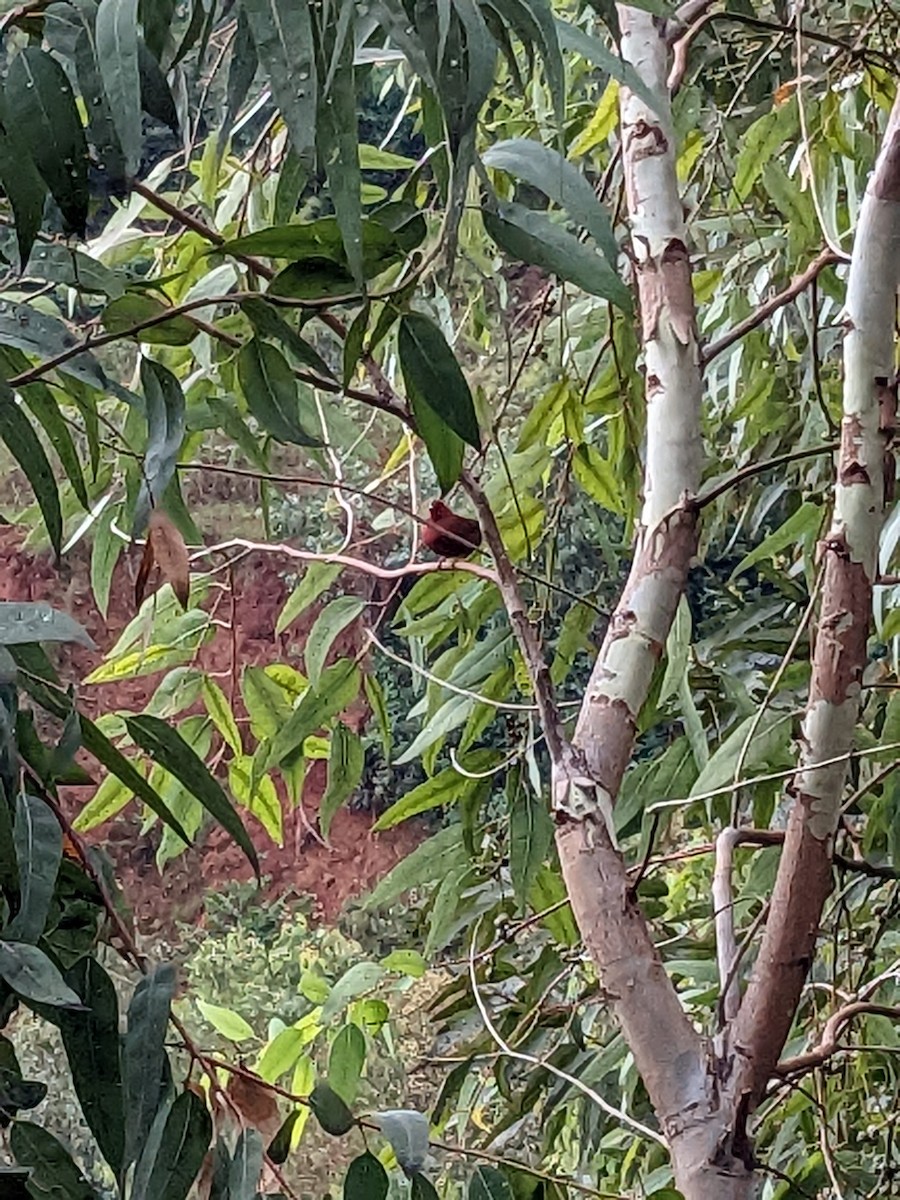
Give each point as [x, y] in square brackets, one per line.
[851, 556]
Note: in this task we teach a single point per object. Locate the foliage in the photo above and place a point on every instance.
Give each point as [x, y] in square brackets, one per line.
[243, 276]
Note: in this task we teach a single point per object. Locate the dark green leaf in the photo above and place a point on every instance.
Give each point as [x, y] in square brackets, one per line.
[269, 324]
[353, 343]
[533, 238]
[184, 1144]
[31, 975]
[345, 768]
[136, 308]
[169, 749]
[14, 1183]
[53, 1173]
[144, 1056]
[25, 447]
[595, 51]
[433, 377]
[24, 187]
[105, 553]
[291, 181]
[272, 393]
[156, 19]
[280, 1146]
[282, 31]
[92, 1045]
[530, 836]
[366, 1179]
[63, 264]
[489, 1184]
[338, 686]
[533, 23]
[39, 99]
[101, 126]
[421, 1188]
[337, 140]
[156, 98]
[117, 55]
[241, 73]
[330, 1110]
[38, 843]
[165, 433]
[41, 401]
[345, 1062]
[547, 170]
[246, 1165]
[315, 279]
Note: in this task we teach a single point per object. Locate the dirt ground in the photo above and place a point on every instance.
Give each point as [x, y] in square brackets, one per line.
[356, 858]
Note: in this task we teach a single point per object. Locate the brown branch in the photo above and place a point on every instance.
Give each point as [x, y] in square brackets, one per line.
[834, 1027]
[707, 497]
[798, 284]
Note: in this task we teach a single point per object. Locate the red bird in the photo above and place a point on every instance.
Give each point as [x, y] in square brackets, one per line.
[450, 535]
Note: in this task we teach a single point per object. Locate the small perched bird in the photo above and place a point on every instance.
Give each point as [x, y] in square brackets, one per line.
[450, 535]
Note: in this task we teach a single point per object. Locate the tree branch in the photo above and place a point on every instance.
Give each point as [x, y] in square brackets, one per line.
[834, 1027]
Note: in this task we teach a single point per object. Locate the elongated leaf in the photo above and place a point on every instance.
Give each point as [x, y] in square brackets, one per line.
[30, 974]
[267, 322]
[25, 447]
[440, 852]
[547, 170]
[345, 768]
[92, 1044]
[443, 789]
[185, 1141]
[246, 1165]
[241, 73]
[421, 1187]
[333, 618]
[39, 99]
[337, 688]
[317, 578]
[283, 34]
[165, 433]
[272, 393]
[156, 97]
[24, 623]
[337, 140]
[47, 337]
[593, 50]
[534, 238]
[144, 1055]
[156, 20]
[366, 1179]
[489, 1184]
[53, 1171]
[134, 308]
[533, 23]
[433, 377]
[169, 749]
[117, 54]
[345, 1061]
[101, 126]
[41, 401]
[23, 185]
[37, 838]
[530, 835]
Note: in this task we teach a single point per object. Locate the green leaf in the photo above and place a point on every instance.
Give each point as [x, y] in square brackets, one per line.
[345, 768]
[230, 1024]
[433, 377]
[165, 433]
[144, 1056]
[443, 850]
[185, 1141]
[331, 620]
[37, 838]
[168, 748]
[445, 788]
[267, 322]
[282, 31]
[546, 169]
[41, 401]
[92, 1045]
[802, 524]
[53, 1173]
[101, 126]
[338, 686]
[337, 142]
[241, 73]
[46, 337]
[407, 962]
[30, 974]
[25, 447]
[221, 713]
[24, 623]
[318, 577]
[39, 99]
[593, 50]
[272, 393]
[360, 978]
[530, 837]
[366, 1179]
[330, 1110]
[489, 1184]
[156, 20]
[117, 54]
[156, 97]
[246, 1165]
[421, 1188]
[136, 308]
[533, 238]
[346, 1060]
[24, 187]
